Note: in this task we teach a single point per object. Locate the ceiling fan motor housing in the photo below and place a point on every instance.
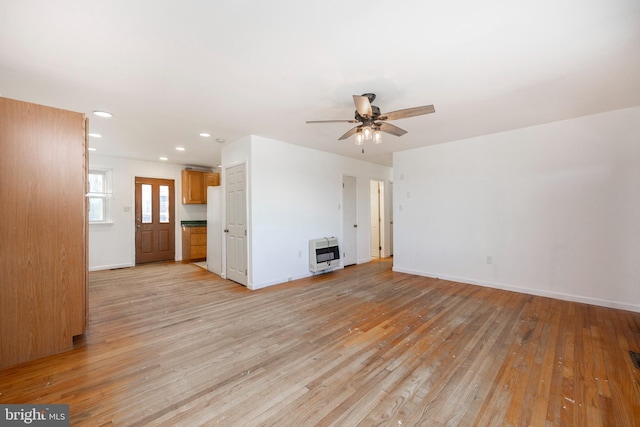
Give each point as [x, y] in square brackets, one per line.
[370, 96]
[375, 113]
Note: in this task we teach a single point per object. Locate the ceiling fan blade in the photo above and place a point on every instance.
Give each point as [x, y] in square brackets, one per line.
[363, 106]
[408, 112]
[392, 129]
[332, 121]
[349, 133]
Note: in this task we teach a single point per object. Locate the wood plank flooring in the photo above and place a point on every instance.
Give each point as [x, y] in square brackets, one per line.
[174, 345]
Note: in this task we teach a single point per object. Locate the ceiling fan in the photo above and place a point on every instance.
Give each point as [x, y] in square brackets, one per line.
[372, 122]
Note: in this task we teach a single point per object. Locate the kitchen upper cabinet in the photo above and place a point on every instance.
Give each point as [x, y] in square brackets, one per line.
[43, 231]
[211, 179]
[194, 186]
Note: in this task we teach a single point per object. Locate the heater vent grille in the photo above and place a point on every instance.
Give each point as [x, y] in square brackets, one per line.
[323, 254]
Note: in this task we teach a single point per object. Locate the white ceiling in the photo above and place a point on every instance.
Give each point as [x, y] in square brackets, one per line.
[169, 70]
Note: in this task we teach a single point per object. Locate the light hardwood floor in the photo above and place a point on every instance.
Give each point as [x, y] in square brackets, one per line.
[172, 344]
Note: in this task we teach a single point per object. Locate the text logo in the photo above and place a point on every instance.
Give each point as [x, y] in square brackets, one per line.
[34, 415]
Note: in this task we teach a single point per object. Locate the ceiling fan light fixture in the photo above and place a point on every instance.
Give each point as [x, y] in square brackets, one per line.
[366, 133]
[377, 136]
[359, 138]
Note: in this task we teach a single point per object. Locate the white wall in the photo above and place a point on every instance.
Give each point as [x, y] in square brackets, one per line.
[555, 206]
[113, 245]
[295, 195]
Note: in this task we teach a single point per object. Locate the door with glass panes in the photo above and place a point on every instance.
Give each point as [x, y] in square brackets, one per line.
[155, 224]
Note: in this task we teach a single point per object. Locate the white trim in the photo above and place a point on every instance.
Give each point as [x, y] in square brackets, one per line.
[101, 223]
[256, 286]
[529, 291]
[110, 267]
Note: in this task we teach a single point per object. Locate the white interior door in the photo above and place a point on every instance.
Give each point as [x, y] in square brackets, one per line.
[381, 220]
[349, 221]
[390, 218]
[236, 223]
[375, 219]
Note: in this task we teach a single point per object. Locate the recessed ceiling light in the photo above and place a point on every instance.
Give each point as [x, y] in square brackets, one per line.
[95, 135]
[91, 149]
[103, 114]
[205, 135]
[220, 140]
[180, 148]
[163, 158]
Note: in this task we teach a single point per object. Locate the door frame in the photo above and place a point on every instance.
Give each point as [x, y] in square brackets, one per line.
[389, 196]
[131, 211]
[173, 215]
[383, 226]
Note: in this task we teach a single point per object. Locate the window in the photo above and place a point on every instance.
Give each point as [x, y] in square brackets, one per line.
[164, 203]
[146, 202]
[98, 196]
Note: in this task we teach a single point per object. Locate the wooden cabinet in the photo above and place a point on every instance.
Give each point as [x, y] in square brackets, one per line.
[211, 179]
[194, 185]
[43, 230]
[194, 243]
[193, 188]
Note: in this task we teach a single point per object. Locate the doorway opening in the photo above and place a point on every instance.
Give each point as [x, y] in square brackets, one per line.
[349, 221]
[377, 218]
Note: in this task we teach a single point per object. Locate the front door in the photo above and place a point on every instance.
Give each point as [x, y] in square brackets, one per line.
[236, 223]
[155, 222]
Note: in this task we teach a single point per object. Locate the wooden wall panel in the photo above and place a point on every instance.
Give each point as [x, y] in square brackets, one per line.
[42, 230]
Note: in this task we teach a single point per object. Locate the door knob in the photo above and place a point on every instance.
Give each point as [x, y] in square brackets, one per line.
[355, 225]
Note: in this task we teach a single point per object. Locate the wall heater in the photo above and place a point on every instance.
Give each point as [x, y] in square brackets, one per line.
[323, 254]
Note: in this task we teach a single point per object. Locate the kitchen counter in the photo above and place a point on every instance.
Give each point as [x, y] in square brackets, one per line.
[194, 223]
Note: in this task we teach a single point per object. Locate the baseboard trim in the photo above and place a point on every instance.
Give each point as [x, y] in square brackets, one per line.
[530, 291]
[109, 267]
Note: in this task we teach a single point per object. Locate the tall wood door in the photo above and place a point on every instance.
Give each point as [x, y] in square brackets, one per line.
[349, 221]
[155, 220]
[236, 223]
[43, 223]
